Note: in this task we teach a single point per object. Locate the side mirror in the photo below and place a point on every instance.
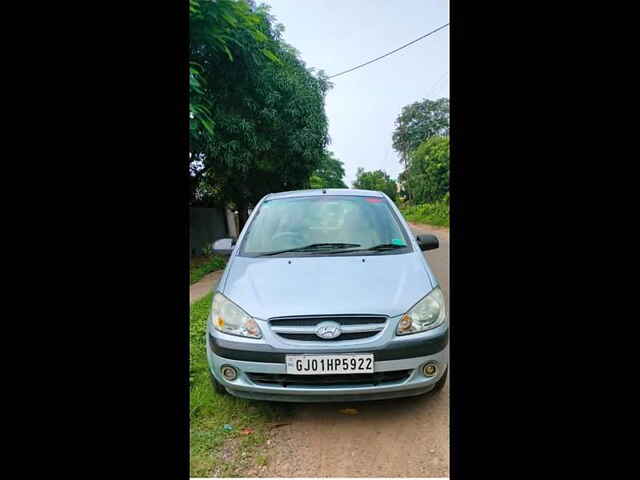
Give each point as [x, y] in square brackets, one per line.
[428, 242]
[224, 246]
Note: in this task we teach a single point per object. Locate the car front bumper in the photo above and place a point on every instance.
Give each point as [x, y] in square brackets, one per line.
[391, 353]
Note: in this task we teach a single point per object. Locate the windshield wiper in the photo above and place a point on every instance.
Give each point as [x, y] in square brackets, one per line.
[314, 247]
[380, 248]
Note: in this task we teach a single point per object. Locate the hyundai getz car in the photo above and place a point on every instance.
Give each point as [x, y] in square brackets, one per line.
[327, 296]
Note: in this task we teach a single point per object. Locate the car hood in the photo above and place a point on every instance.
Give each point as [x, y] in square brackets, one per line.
[340, 285]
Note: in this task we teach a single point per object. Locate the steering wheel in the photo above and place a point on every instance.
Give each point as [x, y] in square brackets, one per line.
[293, 235]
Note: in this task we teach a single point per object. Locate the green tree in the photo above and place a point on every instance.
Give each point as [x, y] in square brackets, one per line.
[426, 180]
[376, 180]
[418, 122]
[214, 25]
[328, 174]
[267, 110]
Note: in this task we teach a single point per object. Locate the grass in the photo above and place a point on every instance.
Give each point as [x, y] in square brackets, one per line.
[213, 451]
[200, 266]
[436, 214]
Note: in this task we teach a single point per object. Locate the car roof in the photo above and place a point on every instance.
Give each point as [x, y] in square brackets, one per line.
[325, 191]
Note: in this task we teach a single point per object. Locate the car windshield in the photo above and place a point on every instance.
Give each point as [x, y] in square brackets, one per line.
[327, 224]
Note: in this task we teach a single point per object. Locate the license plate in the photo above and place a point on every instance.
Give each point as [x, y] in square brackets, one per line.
[329, 364]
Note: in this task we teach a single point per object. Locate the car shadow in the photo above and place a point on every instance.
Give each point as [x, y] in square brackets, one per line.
[350, 410]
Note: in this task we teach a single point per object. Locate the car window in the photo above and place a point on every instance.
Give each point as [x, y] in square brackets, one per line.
[287, 223]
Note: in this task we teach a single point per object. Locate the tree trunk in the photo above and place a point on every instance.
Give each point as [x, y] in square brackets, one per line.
[242, 215]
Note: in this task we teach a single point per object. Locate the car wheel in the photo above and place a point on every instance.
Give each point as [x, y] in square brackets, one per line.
[440, 383]
[217, 386]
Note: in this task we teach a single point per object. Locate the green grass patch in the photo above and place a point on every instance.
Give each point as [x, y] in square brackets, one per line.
[214, 451]
[200, 266]
[436, 214]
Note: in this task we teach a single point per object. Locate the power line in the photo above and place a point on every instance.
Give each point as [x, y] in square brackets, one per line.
[393, 51]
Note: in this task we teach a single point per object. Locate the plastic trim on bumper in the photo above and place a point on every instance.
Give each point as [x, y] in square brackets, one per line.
[416, 384]
[394, 350]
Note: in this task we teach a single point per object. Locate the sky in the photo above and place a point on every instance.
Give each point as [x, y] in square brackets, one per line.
[335, 35]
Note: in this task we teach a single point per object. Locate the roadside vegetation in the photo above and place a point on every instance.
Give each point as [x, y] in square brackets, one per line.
[421, 138]
[425, 182]
[226, 432]
[257, 124]
[329, 173]
[436, 214]
[377, 180]
[257, 118]
[202, 265]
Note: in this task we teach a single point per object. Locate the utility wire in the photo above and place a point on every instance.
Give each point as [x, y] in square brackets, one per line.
[393, 51]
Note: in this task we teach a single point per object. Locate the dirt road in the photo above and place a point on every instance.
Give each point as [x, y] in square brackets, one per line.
[405, 438]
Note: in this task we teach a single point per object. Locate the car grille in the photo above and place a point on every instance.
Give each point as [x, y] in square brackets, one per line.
[313, 321]
[353, 327]
[362, 379]
[315, 338]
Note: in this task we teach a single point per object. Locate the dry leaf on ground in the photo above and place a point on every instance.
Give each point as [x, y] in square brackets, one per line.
[349, 411]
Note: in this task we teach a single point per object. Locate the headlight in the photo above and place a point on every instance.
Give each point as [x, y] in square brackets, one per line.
[428, 313]
[227, 317]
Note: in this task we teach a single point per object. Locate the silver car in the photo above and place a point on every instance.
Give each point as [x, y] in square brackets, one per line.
[327, 297]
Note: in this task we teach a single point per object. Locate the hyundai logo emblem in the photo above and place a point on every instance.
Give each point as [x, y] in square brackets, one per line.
[328, 330]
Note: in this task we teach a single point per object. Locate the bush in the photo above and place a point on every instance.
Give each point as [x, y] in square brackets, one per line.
[200, 266]
[436, 214]
[426, 179]
[207, 251]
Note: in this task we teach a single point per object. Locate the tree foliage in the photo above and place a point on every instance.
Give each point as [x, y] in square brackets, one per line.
[426, 179]
[376, 180]
[214, 24]
[265, 108]
[418, 122]
[329, 173]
